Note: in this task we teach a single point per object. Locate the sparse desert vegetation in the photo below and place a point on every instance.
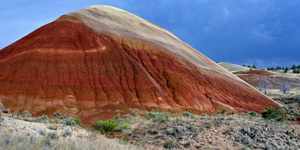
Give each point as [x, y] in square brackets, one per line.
[51, 140]
[221, 131]
[39, 133]
[156, 130]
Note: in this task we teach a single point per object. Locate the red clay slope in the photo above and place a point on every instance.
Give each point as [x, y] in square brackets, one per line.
[97, 62]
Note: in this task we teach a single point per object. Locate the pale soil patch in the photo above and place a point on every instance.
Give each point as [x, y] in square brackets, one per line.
[21, 135]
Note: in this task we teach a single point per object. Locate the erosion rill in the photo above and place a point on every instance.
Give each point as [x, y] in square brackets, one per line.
[100, 61]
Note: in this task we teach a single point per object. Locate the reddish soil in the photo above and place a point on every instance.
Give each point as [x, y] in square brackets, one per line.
[252, 76]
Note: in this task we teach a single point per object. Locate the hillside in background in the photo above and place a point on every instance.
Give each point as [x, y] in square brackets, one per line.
[275, 81]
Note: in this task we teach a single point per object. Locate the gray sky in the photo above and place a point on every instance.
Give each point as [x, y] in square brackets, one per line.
[261, 32]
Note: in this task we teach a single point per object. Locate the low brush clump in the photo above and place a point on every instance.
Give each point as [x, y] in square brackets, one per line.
[114, 125]
[281, 114]
[26, 113]
[57, 118]
[106, 126]
[273, 113]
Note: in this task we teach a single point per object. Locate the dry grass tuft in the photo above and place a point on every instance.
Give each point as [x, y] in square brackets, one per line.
[51, 141]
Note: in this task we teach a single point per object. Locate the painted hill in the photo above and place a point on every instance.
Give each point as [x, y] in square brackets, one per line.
[100, 61]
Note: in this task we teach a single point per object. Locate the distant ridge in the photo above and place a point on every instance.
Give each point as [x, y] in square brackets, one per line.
[233, 67]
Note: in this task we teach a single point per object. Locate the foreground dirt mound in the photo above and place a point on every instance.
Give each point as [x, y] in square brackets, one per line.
[24, 135]
[100, 61]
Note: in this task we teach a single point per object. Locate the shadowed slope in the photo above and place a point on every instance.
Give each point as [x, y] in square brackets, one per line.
[100, 61]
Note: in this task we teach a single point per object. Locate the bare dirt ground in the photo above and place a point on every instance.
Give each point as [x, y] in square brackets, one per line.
[213, 132]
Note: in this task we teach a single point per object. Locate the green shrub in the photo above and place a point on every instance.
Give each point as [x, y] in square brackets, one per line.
[188, 114]
[58, 114]
[283, 109]
[204, 115]
[67, 133]
[252, 113]
[291, 111]
[236, 116]
[290, 117]
[77, 121]
[43, 118]
[28, 120]
[223, 111]
[169, 144]
[124, 140]
[294, 112]
[273, 113]
[26, 113]
[137, 115]
[64, 117]
[106, 126]
[58, 121]
[123, 126]
[156, 116]
[152, 115]
[112, 125]
[41, 132]
[128, 116]
[69, 121]
[297, 113]
[0, 114]
[117, 117]
[244, 148]
[52, 127]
